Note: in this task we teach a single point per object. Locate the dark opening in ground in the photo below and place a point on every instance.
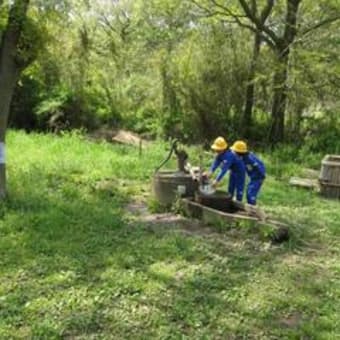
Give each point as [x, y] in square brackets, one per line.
[220, 201]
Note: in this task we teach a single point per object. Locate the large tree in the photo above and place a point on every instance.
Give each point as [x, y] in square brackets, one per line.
[279, 29]
[13, 59]
[230, 14]
[281, 45]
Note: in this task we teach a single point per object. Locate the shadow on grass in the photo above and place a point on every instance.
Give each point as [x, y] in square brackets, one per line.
[72, 267]
[241, 292]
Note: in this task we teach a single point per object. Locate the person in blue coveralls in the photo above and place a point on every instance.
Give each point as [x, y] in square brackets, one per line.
[227, 159]
[255, 168]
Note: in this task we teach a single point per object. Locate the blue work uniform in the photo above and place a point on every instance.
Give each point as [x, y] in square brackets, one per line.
[257, 173]
[229, 160]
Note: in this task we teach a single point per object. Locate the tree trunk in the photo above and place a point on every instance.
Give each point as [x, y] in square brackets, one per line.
[169, 99]
[250, 91]
[9, 73]
[279, 102]
[168, 92]
[280, 77]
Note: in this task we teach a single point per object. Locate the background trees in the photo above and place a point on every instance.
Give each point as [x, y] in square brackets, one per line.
[262, 70]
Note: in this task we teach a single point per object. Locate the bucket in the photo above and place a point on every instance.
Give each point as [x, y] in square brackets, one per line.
[330, 176]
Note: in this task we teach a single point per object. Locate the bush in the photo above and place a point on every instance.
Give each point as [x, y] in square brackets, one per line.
[322, 133]
[25, 98]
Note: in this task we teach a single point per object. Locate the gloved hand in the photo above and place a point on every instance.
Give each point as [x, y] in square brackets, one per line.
[215, 184]
[207, 174]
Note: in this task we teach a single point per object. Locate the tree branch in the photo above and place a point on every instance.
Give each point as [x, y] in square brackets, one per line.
[256, 31]
[205, 9]
[254, 7]
[266, 11]
[237, 19]
[106, 22]
[223, 10]
[324, 22]
[260, 25]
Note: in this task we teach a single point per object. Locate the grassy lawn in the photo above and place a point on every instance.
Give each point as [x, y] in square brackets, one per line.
[75, 265]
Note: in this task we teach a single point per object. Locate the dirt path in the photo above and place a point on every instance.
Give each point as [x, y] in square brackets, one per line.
[162, 222]
[119, 136]
[138, 211]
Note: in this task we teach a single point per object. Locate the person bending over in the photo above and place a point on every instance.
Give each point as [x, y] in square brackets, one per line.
[227, 159]
[255, 168]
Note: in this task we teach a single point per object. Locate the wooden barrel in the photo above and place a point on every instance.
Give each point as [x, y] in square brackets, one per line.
[169, 185]
[330, 176]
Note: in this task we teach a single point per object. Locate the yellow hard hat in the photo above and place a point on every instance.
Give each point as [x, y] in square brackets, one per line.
[240, 147]
[219, 144]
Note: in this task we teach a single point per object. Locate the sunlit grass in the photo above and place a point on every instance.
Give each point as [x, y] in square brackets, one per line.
[73, 265]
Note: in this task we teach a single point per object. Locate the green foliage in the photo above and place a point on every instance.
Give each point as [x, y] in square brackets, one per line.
[3, 17]
[25, 99]
[321, 137]
[322, 133]
[30, 43]
[165, 68]
[155, 207]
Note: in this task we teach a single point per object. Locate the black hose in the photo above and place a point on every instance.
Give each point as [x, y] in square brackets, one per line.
[173, 148]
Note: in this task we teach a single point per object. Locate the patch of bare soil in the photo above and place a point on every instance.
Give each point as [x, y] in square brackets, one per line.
[233, 239]
[119, 136]
[191, 227]
[292, 320]
[140, 212]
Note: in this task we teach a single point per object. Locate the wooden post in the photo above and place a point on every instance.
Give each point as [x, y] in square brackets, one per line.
[140, 147]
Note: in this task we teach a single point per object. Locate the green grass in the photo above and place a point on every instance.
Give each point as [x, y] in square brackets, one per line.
[73, 265]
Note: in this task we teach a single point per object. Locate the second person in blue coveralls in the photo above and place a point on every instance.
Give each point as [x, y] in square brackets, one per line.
[227, 159]
[255, 170]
